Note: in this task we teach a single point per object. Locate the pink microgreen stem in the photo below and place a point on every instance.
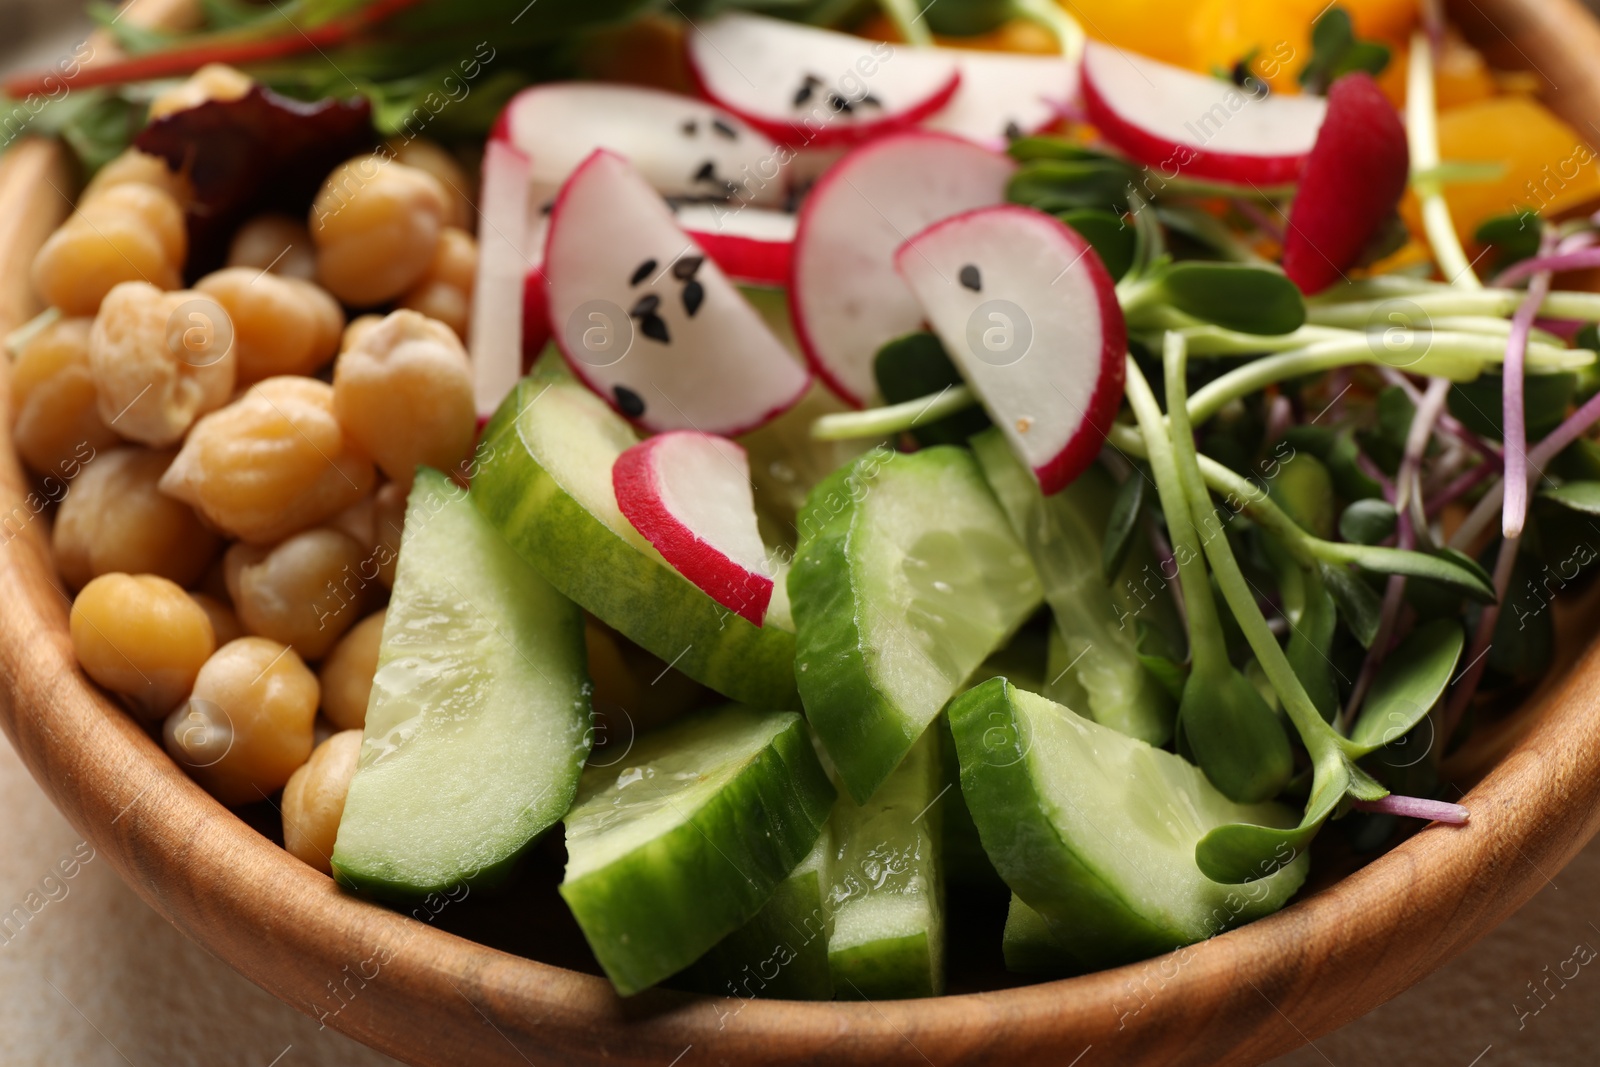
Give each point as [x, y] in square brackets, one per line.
[1448, 423]
[1416, 808]
[1513, 419]
[1462, 484]
[1478, 652]
[1258, 218]
[1541, 264]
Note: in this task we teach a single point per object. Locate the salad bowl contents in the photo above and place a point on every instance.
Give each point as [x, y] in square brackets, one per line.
[864, 516]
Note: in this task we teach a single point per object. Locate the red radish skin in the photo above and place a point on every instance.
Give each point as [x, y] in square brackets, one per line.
[1026, 240]
[752, 245]
[823, 326]
[1134, 102]
[1352, 184]
[709, 466]
[535, 317]
[728, 374]
[788, 52]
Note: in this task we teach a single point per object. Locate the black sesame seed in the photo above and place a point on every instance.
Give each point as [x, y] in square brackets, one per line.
[544, 208]
[707, 172]
[840, 104]
[870, 101]
[971, 278]
[726, 130]
[655, 328]
[646, 305]
[642, 271]
[686, 267]
[694, 295]
[690, 127]
[1013, 131]
[801, 95]
[631, 403]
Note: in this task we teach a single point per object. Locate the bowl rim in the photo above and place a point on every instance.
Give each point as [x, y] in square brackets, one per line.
[423, 995]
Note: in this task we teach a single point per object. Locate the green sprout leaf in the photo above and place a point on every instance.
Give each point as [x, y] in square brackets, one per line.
[1576, 496]
[1335, 51]
[1236, 296]
[1408, 684]
[1113, 239]
[1122, 525]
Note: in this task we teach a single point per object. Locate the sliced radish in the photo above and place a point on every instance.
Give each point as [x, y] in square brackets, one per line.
[751, 244]
[802, 85]
[1029, 315]
[505, 258]
[845, 297]
[647, 321]
[1352, 184]
[1180, 122]
[684, 147]
[1003, 96]
[689, 494]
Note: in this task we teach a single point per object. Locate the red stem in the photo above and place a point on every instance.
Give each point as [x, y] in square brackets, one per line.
[187, 58]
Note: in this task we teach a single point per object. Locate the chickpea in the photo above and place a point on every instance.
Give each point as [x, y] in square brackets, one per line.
[139, 168]
[375, 223]
[405, 395]
[356, 330]
[280, 325]
[277, 243]
[434, 158]
[160, 361]
[313, 801]
[115, 518]
[224, 623]
[129, 232]
[214, 81]
[141, 636]
[305, 592]
[247, 726]
[52, 393]
[445, 292]
[272, 463]
[346, 674]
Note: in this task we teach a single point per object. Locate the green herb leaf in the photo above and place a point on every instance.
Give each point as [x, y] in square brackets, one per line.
[1576, 496]
[1446, 568]
[1368, 522]
[1514, 237]
[1064, 184]
[1479, 404]
[1236, 296]
[1358, 605]
[1113, 239]
[1408, 684]
[1335, 51]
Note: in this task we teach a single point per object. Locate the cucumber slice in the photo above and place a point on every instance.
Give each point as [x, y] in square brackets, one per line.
[1102, 674]
[907, 578]
[783, 951]
[677, 846]
[543, 477]
[478, 724]
[1096, 830]
[887, 892]
[1029, 946]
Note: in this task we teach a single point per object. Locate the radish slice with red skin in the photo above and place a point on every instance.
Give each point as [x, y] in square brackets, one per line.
[689, 495]
[1205, 128]
[684, 147]
[1006, 95]
[806, 86]
[1352, 184]
[498, 338]
[845, 297]
[1030, 316]
[752, 245]
[647, 320]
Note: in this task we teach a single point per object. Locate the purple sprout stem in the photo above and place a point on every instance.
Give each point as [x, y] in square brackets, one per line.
[1478, 652]
[1513, 419]
[1461, 485]
[1448, 423]
[1408, 505]
[1416, 808]
[1551, 263]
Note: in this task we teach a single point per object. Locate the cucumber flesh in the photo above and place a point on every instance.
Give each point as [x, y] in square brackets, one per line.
[783, 951]
[1029, 946]
[678, 845]
[543, 477]
[887, 884]
[478, 723]
[1101, 674]
[908, 576]
[1096, 830]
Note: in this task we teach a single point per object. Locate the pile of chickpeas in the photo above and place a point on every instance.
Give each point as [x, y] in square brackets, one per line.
[246, 452]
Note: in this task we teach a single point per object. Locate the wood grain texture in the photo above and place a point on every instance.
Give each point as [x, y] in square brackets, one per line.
[429, 997]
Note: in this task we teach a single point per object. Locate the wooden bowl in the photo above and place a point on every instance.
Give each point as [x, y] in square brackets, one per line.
[430, 997]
